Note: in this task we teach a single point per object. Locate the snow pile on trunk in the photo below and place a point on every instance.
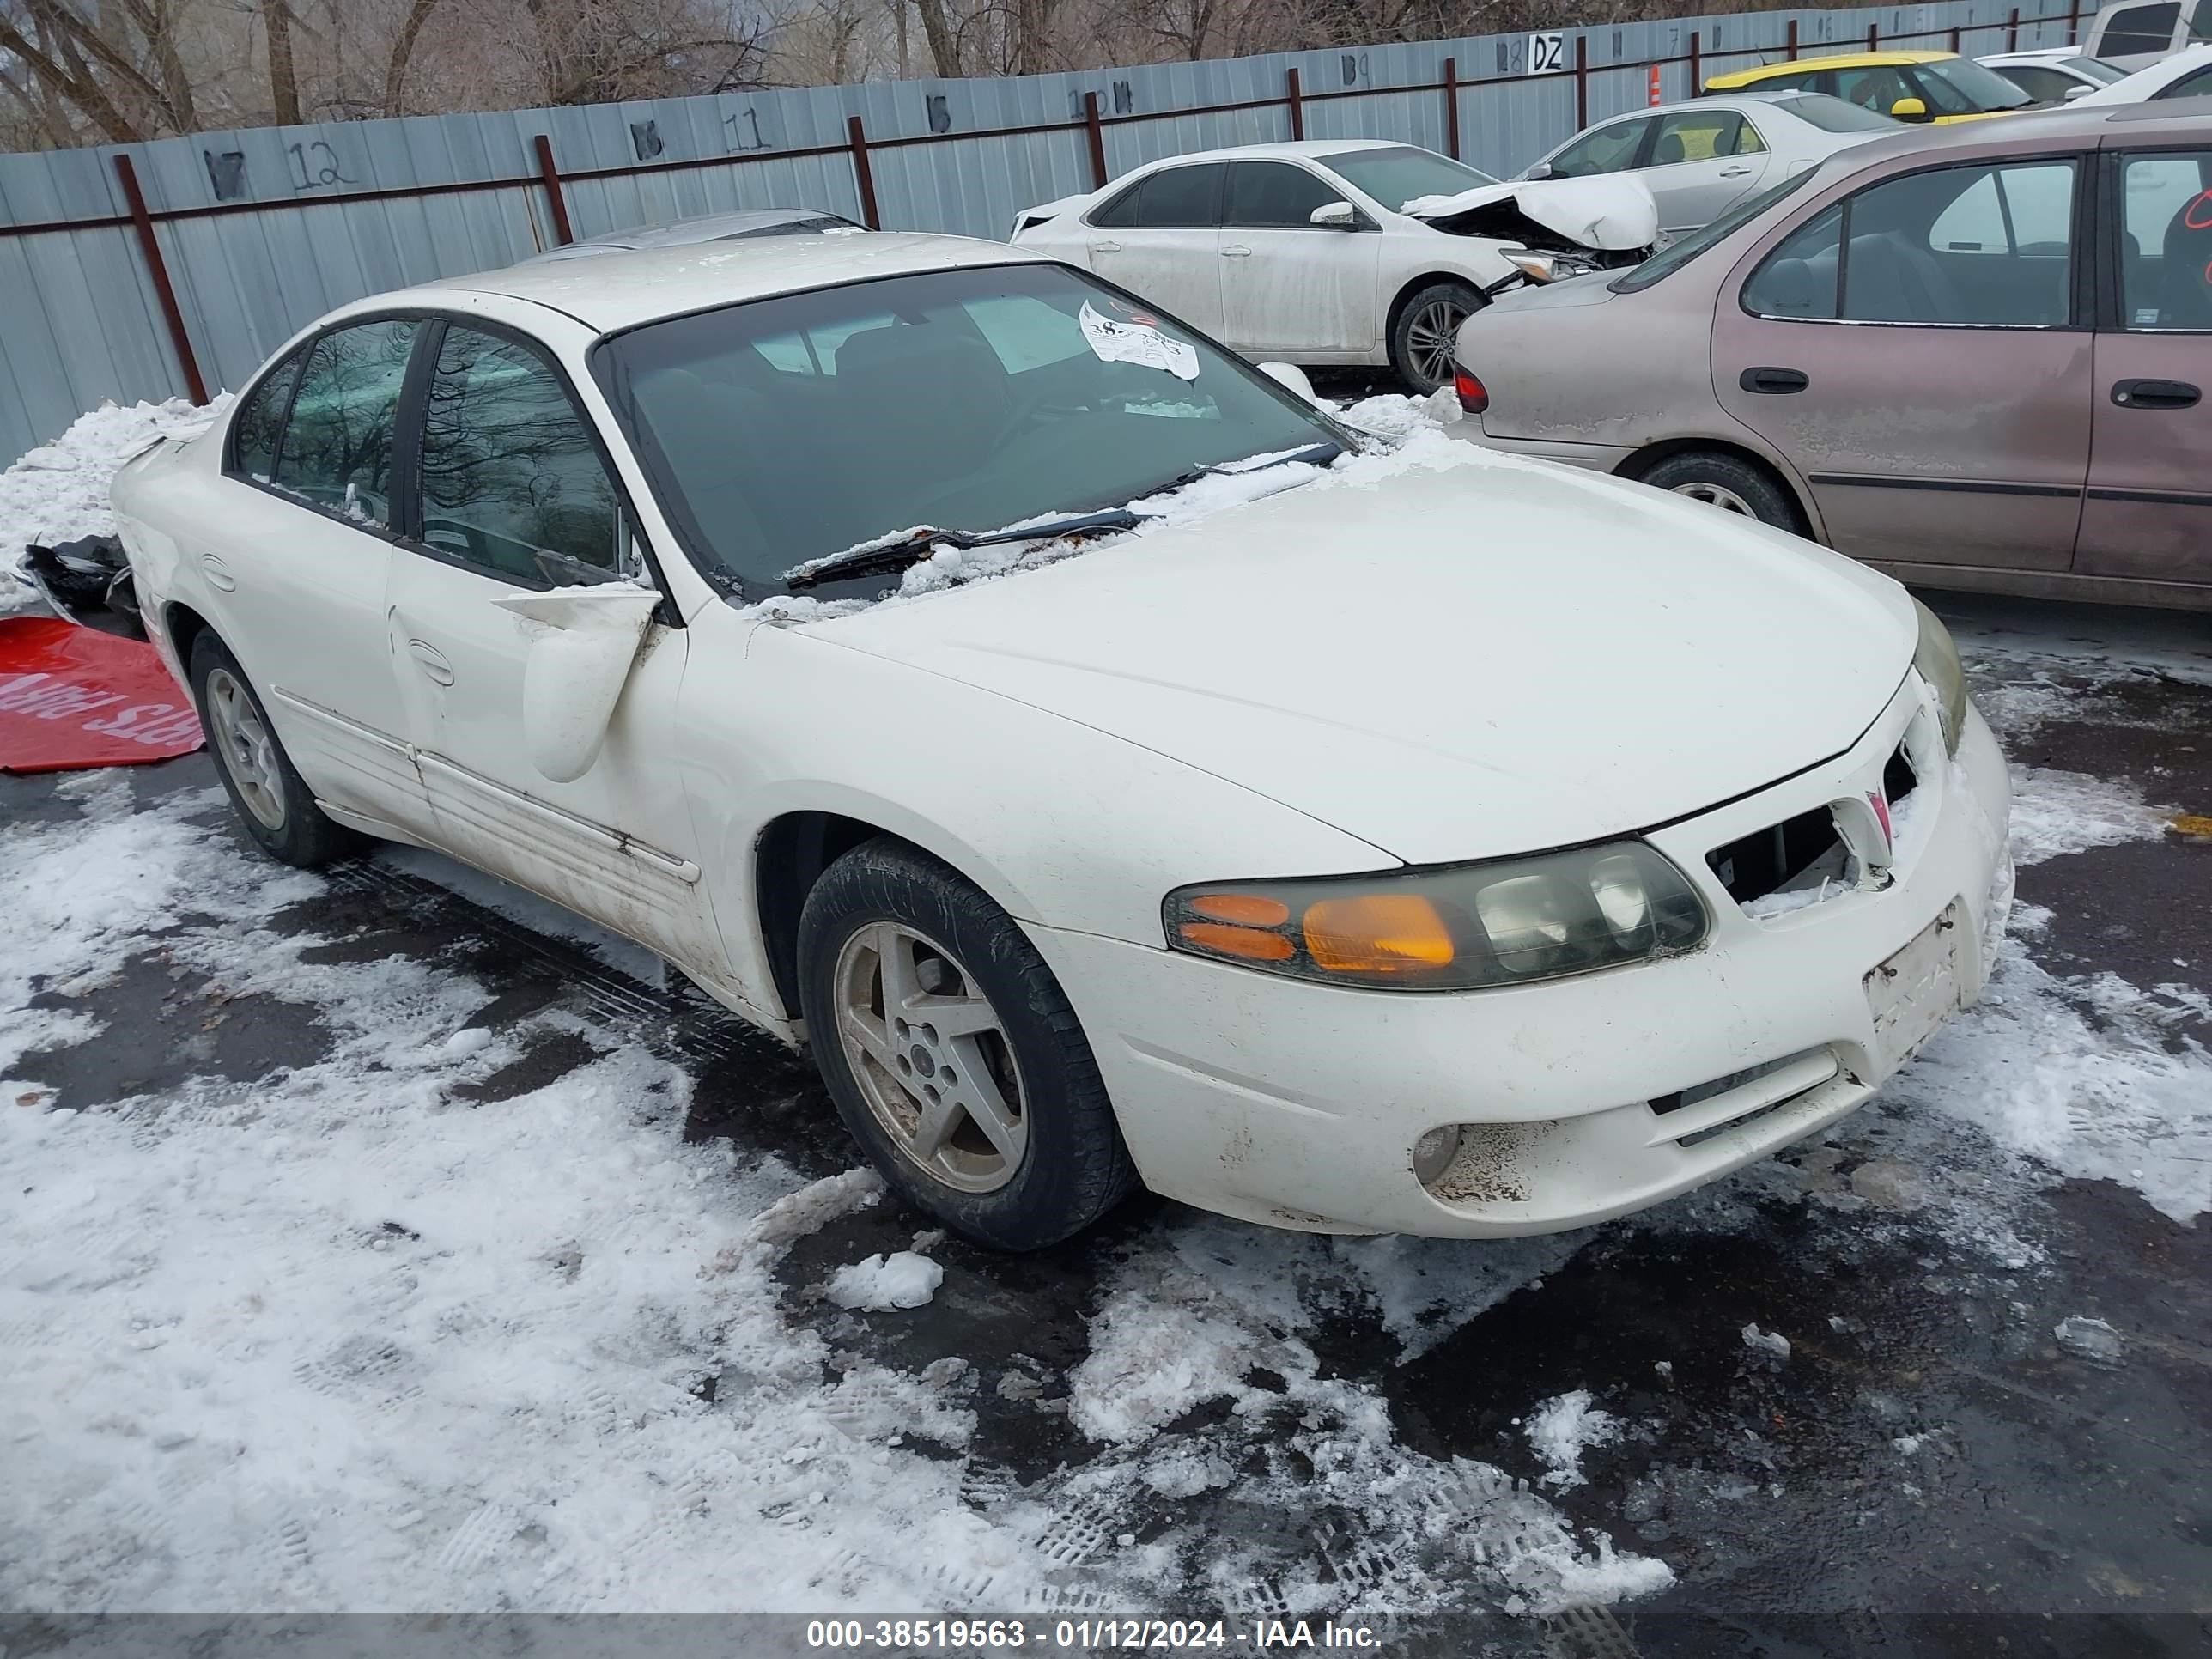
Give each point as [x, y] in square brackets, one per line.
[58, 491]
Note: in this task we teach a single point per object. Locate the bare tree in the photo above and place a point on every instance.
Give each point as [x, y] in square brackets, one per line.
[403, 48]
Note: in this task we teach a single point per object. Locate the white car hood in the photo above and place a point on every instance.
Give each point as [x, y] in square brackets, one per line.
[1614, 211]
[1452, 663]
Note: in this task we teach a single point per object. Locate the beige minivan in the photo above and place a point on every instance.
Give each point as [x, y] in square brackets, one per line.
[1976, 358]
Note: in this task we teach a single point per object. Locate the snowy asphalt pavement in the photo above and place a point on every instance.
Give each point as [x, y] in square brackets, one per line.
[384, 1240]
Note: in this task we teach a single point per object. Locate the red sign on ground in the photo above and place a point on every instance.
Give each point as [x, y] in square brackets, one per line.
[72, 697]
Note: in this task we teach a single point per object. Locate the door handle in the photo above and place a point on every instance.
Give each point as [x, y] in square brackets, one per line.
[432, 660]
[218, 573]
[1105, 247]
[1774, 380]
[2154, 394]
[1735, 172]
[1237, 251]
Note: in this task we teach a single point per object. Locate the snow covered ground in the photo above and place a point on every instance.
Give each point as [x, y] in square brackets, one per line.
[381, 1327]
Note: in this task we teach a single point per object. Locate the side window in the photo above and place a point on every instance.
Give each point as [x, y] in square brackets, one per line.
[1180, 197]
[512, 482]
[2046, 85]
[1798, 279]
[2166, 273]
[259, 423]
[1962, 245]
[1876, 88]
[2136, 29]
[2189, 86]
[1120, 212]
[1273, 194]
[1701, 136]
[1607, 149]
[337, 450]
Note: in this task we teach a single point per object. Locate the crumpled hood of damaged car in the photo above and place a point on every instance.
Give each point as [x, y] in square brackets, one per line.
[1610, 211]
[1493, 657]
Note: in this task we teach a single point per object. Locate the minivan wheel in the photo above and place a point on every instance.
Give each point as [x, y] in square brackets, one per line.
[953, 1054]
[1426, 337]
[273, 803]
[1729, 483]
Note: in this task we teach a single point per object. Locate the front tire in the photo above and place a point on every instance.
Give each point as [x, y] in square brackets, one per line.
[1729, 483]
[273, 803]
[1426, 337]
[953, 1055]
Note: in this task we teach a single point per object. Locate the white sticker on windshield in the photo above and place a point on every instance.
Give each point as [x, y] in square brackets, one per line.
[1137, 343]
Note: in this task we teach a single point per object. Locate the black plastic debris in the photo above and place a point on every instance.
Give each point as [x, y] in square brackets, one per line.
[89, 582]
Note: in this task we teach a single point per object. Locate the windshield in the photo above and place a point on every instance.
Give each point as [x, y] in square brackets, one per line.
[1959, 86]
[1674, 256]
[2097, 70]
[1399, 173]
[783, 430]
[1836, 115]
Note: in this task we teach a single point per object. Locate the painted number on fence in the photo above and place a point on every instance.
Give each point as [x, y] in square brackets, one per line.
[1547, 53]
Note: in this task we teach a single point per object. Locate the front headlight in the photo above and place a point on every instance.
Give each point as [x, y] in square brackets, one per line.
[1501, 923]
[1935, 659]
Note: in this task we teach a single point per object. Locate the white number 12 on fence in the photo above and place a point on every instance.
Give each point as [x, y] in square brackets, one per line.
[1547, 53]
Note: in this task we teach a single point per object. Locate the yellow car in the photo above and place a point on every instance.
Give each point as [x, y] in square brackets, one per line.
[1939, 87]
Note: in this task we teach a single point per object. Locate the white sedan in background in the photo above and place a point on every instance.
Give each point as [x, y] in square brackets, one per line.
[1330, 251]
[1114, 768]
[2186, 74]
[1699, 158]
[2053, 75]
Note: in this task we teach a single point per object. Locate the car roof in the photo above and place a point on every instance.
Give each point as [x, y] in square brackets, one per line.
[1749, 97]
[2181, 120]
[620, 290]
[1310, 147]
[1832, 60]
[2032, 55]
[706, 227]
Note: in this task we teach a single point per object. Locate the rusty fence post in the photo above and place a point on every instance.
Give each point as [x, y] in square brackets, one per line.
[1098, 138]
[1581, 81]
[164, 290]
[1954, 38]
[1298, 105]
[552, 175]
[1873, 37]
[2011, 31]
[1452, 107]
[1697, 51]
[1792, 50]
[863, 174]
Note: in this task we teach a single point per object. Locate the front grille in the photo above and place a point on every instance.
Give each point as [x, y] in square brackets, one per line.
[1801, 857]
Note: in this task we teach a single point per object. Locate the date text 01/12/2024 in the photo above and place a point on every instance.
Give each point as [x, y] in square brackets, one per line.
[1084, 1635]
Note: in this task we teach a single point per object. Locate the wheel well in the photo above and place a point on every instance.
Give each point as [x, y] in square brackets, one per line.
[1398, 306]
[183, 624]
[793, 852]
[1651, 454]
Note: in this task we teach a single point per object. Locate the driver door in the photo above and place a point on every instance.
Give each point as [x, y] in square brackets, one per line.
[516, 498]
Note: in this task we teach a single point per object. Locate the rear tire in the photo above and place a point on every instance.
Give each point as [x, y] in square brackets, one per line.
[1424, 338]
[1729, 483]
[953, 1054]
[273, 803]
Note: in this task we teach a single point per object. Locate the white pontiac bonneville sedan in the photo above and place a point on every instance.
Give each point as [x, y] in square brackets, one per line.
[1339, 832]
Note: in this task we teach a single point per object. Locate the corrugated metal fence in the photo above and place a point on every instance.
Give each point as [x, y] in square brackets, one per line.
[151, 271]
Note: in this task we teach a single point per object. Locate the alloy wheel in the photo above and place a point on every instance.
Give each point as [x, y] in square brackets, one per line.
[247, 751]
[931, 1056]
[1719, 495]
[1432, 338]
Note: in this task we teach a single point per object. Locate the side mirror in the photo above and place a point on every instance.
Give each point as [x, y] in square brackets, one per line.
[1541, 170]
[1335, 216]
[582, 642]
[1290, 378]
[1908, 109]
[2074, 91]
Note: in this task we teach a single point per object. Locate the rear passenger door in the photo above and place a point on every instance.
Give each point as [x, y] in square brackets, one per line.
[1287, 284]
[1701, 161]
[1161, 239]
[2149, 515]
[516, 497]
[1917, 352]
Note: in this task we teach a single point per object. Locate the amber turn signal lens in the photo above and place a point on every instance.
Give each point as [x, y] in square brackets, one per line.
[1377, 933]
[1245, 909]
[1252, 944]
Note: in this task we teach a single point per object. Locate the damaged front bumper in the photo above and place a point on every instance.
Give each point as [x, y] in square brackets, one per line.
[1300, 1105]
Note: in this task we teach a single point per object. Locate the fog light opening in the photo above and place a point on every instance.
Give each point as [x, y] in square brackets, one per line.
[1433, 1153]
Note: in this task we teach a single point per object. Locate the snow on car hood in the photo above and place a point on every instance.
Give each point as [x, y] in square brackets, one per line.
[1448, 653]
[1612, 211]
